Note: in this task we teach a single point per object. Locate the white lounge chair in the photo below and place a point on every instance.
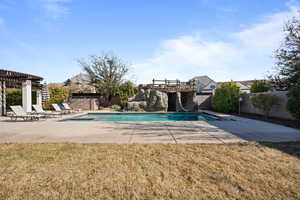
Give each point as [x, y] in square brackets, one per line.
[58, 109]
[19, 112]
[67, 107]
[39, 110]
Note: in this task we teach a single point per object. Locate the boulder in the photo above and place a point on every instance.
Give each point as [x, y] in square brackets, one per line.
[149, 100]
[157, 101]
[136, 105]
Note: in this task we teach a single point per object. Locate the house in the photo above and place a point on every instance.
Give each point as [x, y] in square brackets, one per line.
[80, 84]
[204, 88]
[204, 84]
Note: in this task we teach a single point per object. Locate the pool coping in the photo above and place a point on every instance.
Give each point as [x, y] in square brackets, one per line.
[70, 118]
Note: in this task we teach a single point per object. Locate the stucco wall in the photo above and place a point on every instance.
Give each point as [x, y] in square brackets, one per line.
[84, 103]
[279, 109]
[204, 101]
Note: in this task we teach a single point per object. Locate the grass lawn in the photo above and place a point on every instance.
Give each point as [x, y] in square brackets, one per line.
[150, 171]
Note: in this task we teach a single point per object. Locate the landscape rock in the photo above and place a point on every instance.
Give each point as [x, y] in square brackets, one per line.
[149, 100]
[136, 105]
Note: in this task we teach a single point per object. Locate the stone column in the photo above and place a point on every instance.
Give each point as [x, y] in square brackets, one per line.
[39, 97]
[26, 96]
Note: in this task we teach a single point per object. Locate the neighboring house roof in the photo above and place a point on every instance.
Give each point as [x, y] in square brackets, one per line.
[244, 85]
[202, 80]
[204, 83]
[80, 79]
[247, 83]
[80, 83]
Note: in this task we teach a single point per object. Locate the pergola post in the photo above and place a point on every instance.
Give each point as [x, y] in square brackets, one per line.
[39, 97]
[2, 98]
[1, 101]
[26, 96]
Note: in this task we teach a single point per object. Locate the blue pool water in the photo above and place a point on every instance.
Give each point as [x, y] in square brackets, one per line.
[114, 117]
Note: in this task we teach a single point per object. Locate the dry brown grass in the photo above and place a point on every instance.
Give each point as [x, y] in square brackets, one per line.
[150, 171]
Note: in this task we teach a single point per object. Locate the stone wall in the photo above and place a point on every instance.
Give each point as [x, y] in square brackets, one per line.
[279, 109]
[84, 103]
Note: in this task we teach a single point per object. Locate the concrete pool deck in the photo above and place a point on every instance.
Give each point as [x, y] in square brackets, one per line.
[51, 130]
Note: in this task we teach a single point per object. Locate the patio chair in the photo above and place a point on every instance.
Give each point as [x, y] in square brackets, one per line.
[19, 112]
[58, 109]
[39, 110]
[67, 107]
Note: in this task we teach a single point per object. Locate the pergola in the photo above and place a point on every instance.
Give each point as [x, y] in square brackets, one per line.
[11, 79]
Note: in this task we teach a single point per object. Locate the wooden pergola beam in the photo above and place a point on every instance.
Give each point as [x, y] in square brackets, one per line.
[15, 79]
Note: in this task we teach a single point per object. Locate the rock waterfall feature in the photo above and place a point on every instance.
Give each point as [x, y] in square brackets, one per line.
[152, 100]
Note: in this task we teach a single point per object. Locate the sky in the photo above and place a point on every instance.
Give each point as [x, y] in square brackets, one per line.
[172, 39]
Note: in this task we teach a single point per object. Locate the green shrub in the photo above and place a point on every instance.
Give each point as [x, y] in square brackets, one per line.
[116, 107]
[127, 90]
[293, 104]
[264, 102]
[58, 94]
[226, 98]
[14, 97]
[259, 86]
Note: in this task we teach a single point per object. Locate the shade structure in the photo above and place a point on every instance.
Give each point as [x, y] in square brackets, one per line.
[15, 79]
[12, 79]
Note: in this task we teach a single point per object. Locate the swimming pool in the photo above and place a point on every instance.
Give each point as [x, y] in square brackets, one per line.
[115, 117]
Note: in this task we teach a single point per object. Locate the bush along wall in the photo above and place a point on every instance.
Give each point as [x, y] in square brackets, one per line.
[226, 98]
[259, 86]
[293, 104]
[264, 102]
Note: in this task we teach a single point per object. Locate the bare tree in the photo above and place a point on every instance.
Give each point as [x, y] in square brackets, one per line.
[106, 73]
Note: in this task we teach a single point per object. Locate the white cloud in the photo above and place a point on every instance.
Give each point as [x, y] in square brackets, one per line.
[265, 35]
[56, 8]
[243, 55]
[188, 56]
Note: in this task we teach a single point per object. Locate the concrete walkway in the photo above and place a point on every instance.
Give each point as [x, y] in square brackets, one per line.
[241, 130]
